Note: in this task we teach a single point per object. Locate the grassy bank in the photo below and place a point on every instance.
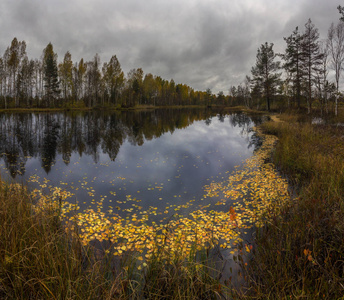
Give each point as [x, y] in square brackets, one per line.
[39, 260]
[297, 254]
[300, 255]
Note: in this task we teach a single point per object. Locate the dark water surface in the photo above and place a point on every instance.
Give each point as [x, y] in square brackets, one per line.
[126, 160]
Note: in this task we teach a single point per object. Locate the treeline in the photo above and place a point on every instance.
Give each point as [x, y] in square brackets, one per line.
[44, 82]
[299, 76]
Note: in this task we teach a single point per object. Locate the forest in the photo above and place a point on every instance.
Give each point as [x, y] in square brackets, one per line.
[299, 77]
[45, 83]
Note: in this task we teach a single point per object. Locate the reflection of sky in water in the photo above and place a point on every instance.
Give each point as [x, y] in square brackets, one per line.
[169, 170]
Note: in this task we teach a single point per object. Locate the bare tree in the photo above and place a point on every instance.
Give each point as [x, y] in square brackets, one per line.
[335, 40]
[321, 81]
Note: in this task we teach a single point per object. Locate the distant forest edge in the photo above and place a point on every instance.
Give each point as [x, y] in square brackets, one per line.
[306, 64]
[45, 83]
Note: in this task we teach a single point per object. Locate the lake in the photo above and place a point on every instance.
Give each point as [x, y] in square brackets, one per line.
[125, 171]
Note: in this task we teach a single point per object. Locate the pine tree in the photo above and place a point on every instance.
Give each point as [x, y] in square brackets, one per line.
[311, 59]
[51, 85]
[264, 72]
[341, 11]
[293, 66]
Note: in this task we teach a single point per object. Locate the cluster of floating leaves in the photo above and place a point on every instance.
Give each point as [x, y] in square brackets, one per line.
[252, 193]
[181, 235]
[258, 188]
[52, 199]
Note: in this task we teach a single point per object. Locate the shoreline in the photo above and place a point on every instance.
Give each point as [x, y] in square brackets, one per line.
[287, 248]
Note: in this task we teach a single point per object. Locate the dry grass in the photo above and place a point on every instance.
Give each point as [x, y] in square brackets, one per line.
[38, 260]
[301, 254]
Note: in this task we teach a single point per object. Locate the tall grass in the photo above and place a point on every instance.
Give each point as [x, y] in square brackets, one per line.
[300, 255]
[38, 260]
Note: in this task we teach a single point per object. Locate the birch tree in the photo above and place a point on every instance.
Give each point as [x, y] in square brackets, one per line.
[335, 40]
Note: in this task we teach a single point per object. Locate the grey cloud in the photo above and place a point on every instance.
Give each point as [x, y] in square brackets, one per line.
[202, 43]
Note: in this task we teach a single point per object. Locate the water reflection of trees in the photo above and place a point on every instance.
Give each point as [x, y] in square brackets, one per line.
[246, 124]
[46, 135]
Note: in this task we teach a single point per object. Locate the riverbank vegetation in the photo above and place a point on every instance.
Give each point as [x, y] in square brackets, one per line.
[300, 254]
[131, 258]
[297, 251]
[38, 260]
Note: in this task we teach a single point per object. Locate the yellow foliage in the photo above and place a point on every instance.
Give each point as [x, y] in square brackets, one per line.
[255, 192]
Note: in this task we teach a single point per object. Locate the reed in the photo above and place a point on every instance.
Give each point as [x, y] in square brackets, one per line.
[39, 260]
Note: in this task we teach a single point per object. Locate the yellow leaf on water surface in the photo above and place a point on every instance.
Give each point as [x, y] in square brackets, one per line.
[232, 213]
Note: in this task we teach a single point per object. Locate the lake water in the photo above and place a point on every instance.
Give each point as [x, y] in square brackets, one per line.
[166, 180]
[136, 178]
[157, 159]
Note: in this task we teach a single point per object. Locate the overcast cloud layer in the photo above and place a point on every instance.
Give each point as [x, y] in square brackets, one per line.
[202, 43]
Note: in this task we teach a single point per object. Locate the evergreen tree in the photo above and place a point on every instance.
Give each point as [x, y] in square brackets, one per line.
[311, 59]
[341, 11]
[264, 72]
[208, 96]
[50, 75]
[292, 65]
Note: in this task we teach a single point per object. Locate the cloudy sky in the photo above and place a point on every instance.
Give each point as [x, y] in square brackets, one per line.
[202, 43]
